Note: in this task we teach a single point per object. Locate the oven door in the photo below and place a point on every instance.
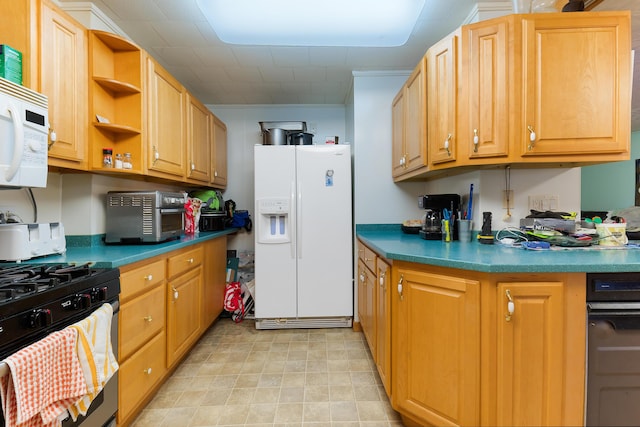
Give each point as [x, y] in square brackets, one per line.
[613, 364]
[102, 412]
[171, 222]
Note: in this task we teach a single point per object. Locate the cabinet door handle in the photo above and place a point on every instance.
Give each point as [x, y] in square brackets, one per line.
[190, 260]
[53, 137]
[193, 166]
[446, 144]
[215, 173]
[381, 279]
[362, 278]
[400, 287]
[147, 371]
[148, 277]
[176, 294]
[511, 306]
[148, 319]
[476, 140]
[156, 155]
[532, 137]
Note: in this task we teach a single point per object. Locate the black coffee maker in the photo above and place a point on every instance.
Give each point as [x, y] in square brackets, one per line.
[435, 205]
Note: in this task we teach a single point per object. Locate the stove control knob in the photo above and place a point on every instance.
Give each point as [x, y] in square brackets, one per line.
[40, 317]
[99, 294]
[81, 301]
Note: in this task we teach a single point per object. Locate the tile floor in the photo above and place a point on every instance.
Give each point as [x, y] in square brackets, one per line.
[237, 375]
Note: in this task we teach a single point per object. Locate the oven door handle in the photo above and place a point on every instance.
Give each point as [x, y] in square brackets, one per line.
[164, 211]
[613, 306]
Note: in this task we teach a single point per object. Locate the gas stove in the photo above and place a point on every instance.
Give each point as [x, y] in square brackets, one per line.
[36, 299]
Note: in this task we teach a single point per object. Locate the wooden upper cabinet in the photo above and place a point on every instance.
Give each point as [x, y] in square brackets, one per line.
[442, 80]
[199, 141]
[166, 134]
[116, 73]
[484, 130]
[409, 125]
[397, 134]
[219, 153]
[576, 85]
[63, 79]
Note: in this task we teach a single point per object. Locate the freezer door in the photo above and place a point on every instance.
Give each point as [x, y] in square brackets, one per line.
[324, 231]
[274, 232]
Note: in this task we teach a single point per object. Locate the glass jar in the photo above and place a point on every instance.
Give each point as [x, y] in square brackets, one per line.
[126, 162]
[118, 163]
[107, 157]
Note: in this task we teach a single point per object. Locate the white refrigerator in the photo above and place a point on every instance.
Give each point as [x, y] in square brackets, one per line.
[303, 232]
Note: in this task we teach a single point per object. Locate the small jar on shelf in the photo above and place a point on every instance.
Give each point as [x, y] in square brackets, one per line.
[107, 157]
[126, 162]
[118, 163]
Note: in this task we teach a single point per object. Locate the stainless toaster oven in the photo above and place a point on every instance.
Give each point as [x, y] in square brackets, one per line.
[144, 216]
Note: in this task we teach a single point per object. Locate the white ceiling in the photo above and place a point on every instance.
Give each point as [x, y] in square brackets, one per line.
[176, 33]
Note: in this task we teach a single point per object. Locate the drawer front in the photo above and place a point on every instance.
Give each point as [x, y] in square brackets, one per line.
[140, 319]
[370, 259]
[185, 261]
[140, 279]
[139, 374]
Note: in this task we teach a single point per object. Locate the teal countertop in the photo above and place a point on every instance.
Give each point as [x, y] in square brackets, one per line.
[110, 256]
[391, 243]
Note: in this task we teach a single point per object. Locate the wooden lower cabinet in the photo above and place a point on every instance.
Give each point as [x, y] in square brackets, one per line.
[535, 356]
[383, 323]
[436, 347]
[480, 349]
[161, 317]
[451, 353]
[183, 313]
[366, 298]
[215, 267]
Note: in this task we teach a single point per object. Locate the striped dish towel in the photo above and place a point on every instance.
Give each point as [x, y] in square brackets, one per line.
[95, 354]
[45, 379]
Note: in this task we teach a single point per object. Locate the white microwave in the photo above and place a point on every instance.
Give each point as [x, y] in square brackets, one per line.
[24, 131]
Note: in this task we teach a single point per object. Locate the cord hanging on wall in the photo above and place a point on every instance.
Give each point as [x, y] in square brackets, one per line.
[508, 194]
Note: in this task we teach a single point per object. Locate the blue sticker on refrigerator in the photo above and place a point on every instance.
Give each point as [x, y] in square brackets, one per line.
[328, 178]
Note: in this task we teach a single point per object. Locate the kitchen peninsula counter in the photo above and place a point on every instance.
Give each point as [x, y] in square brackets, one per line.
[82, 251]
[390, 242]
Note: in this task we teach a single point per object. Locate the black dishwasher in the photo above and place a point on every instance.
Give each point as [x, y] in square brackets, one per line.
[613, 349]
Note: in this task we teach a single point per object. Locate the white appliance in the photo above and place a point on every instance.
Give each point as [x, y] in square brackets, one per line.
[20, 241]
[24, 130]
[303, 236]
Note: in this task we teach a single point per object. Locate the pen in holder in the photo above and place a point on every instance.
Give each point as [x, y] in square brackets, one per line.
[486, 236]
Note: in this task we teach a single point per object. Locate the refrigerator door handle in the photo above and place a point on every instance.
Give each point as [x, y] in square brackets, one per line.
[292, 230]
[299, 221]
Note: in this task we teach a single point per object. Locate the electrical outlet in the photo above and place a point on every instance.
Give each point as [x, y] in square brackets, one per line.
[507, 199]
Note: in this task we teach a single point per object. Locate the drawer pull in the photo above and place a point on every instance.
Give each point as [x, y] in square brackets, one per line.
[148, 277]
[147, 371]
[148, 319]
[190, 260]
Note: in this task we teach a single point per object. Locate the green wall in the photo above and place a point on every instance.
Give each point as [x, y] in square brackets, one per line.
[612, 185]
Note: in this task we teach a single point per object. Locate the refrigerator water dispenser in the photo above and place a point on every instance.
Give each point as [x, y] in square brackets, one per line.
[273, 215]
